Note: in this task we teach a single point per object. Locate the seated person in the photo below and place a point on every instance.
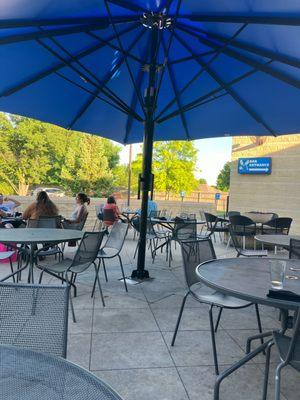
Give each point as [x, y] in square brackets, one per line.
[152, 207]
[7, 205]
[79, 214]
[42, 207]
[111, 212]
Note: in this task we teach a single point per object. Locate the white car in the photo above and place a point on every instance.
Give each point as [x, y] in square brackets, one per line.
[51, 191]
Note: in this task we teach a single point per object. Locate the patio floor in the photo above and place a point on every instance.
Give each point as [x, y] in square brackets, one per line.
[127, 343]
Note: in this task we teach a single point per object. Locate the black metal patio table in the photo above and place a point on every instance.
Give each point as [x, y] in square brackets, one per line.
[30, 375]
[277, 240]
[248, 279]
[35, 236]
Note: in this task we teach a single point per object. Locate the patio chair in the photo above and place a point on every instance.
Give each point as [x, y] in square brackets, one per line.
[85, 256]
[77, 226]
[7, 255]
[289, 352]
[243, 227]
[213, 222]
[48, 249]
[277, 226]
[294, 249]
[99, 218]
[34, 317]
[243, 252]
[151, 235]
[194, 253]
[112, 249]
[109, 216]
[231, 213]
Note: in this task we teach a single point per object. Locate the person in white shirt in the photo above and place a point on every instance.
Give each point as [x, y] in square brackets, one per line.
[7, 205]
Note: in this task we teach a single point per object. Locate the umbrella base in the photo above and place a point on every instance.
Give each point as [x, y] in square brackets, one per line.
[140, 274]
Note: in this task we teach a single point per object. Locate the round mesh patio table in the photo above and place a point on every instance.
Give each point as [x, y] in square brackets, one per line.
[277, 240]
[34, 236]
[29, 375]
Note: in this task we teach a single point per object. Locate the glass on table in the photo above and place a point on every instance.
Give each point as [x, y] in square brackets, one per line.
[277, 273]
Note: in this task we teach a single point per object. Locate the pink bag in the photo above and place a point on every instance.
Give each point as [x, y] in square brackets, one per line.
[3, 247]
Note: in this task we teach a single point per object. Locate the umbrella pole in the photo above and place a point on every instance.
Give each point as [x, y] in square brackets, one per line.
[140, 272]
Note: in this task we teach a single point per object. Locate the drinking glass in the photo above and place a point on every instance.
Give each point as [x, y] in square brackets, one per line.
[277, 273]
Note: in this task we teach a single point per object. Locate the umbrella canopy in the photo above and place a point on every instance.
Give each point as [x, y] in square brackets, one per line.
[130, 70]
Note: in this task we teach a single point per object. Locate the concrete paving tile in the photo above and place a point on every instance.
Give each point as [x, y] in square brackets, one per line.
[245, 319]
[129, 350]
[194, 348]
[79, 349]
[244, 384]
[192, 318]
[133, 299]
[83, 322]
[146, 384]
[124, 320]
[174, 300]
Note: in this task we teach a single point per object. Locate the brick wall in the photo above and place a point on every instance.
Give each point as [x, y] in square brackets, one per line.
[278, 192]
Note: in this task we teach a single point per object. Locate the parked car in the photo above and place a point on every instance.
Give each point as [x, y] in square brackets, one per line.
[51, 191]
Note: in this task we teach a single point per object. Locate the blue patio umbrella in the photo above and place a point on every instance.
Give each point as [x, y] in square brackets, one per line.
[134, 70]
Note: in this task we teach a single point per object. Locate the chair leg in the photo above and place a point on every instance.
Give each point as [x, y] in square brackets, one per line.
[122, 269]
[70, 298]
[99, 284]
[267, 369]
[41, 276]
[259, 322]
[95, 280]
[136, 249]
[179, 319]
[278, 380]
[228, 242]
[104, 269]
[12, 270]
[213, 340]
[218, 319]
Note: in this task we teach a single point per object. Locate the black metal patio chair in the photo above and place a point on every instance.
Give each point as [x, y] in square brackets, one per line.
[275, 226]
[288, 348]
[84, 257]
[34, 317]
[215, 224]
[112, 249]
[294, 249]
[243, 227]
[243, 252]
[151, 235]
[194, 253]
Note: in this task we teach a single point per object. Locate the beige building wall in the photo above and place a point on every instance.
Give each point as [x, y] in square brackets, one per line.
[278, 192]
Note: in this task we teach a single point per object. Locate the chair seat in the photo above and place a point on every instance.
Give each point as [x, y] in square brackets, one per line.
[107, 252]
[62, 266]
[253, 253]
[49, 252]
[217, 298]
[283, 343]
[6, 254]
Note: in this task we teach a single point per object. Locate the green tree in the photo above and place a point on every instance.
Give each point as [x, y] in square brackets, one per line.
[202, 181]
[223, 180]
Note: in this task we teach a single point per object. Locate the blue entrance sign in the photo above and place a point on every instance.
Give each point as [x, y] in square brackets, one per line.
[217, 196]
[255, 166]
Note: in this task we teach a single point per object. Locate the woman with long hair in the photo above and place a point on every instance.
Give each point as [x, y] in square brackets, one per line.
[42, 207]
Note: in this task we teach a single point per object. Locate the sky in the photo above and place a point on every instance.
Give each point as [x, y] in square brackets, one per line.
[212, 155]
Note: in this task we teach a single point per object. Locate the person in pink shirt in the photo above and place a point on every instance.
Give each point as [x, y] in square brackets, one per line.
[111, 212]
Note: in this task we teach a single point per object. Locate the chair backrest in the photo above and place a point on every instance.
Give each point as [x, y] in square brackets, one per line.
[87, 251]
[109, 215]
[45, 222]
[294, 251]
[280, 224]
[117, 236]
[185, 215]
[231, 213]
[210, 220]
[81, 224]
[195, 252]
[136, 223]
[34, 317]
[234, 238]
[154, 214]
[242, 224]
[184, 229]
[99, 212]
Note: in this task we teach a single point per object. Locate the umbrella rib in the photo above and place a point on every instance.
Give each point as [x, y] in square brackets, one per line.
[175, 90]
[200, 100]
[90, 92]
[189, 58]
[88, 71]
[125, 52]
[247, 60]
[25, 23]
[78, 72]
[103, 84]
[264, 19]
[167, 50]
[199, 73]
[283, 58]
[126, 60]
[61, 65]
[228, 89]
[128, 6]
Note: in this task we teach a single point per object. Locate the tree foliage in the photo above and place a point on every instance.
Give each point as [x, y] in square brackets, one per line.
[34, 153]
[223, 180]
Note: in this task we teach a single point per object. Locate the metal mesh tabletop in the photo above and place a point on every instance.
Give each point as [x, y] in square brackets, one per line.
[38, 235]
[25, 374]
